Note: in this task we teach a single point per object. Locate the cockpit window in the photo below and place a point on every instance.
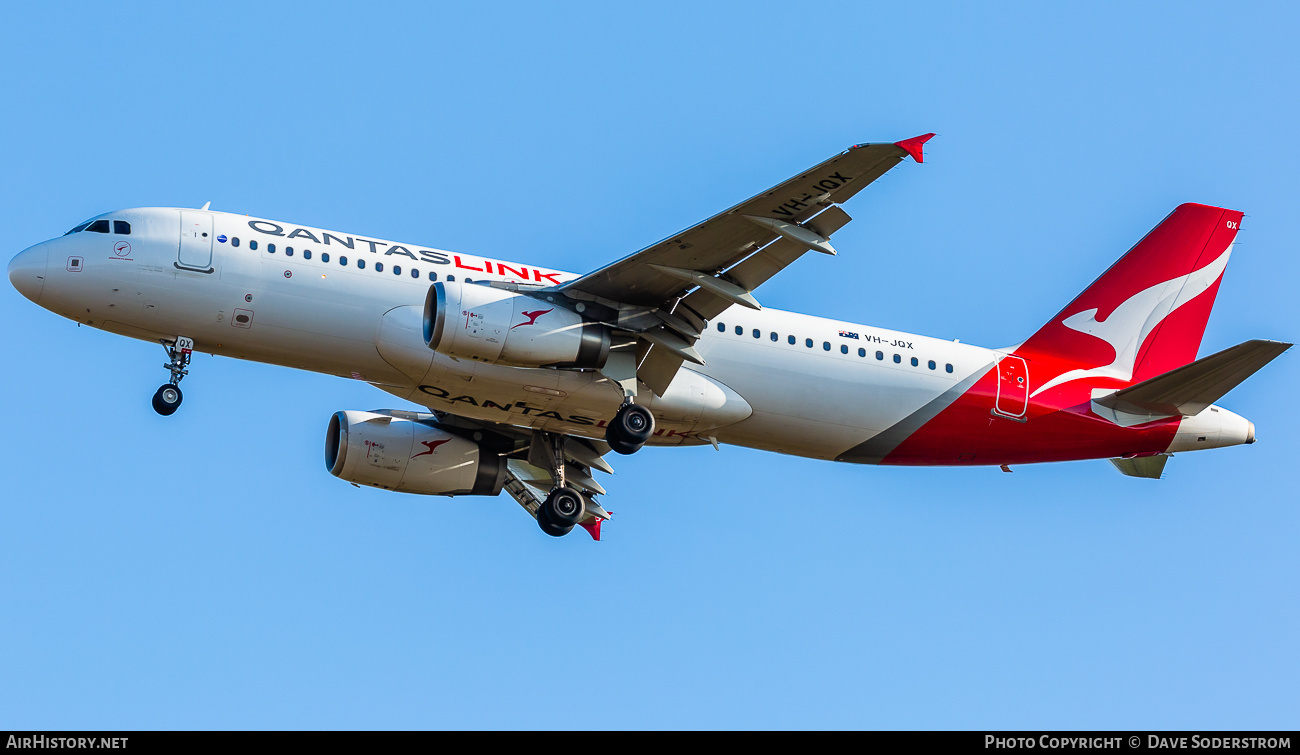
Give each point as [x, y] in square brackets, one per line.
[78, 229]
[99, 226]
[122, 227]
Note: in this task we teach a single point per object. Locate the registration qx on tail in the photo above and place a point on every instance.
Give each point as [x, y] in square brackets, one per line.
[532, 375]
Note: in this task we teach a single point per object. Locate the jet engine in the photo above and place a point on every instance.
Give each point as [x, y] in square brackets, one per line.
[409, 456]
[502, 327]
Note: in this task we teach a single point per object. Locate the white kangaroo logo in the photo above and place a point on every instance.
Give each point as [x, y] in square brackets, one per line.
[1129, 325]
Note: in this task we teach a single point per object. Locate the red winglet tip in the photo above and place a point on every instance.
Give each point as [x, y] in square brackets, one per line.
[913, 146]
[593, 528]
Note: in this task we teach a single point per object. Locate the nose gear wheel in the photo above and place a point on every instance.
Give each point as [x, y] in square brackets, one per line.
[167, 399]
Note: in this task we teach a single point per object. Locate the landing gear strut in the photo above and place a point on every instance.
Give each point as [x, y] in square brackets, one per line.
[167, 399]
[631, 427]
[565, 506]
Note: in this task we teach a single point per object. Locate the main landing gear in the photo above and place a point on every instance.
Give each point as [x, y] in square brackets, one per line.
[561, 510]
[631, 427]
[565, 506]
[167, 399]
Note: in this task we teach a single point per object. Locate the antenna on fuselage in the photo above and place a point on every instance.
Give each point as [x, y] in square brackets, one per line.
[206, 205]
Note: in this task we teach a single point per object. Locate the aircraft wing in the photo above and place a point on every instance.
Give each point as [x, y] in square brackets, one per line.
[666, 292]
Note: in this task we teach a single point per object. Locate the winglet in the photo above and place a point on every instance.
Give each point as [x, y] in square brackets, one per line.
[592, 526]
[913, 146]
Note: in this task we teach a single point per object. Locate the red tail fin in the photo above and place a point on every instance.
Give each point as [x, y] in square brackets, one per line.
[1145, 315]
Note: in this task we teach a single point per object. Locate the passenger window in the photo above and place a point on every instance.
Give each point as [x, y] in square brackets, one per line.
[415, 273]
[862, 352]
[361, 264]
[433, 276]
[722, 328]
[343, 261]
[324, 256]
[807, 342]
[758, 333]
[844, 349]
[234, 241]
[306, 254]
[791, 338]
[915, 362]
[898, 359]
[379, 267]
[288, 251]
[270, 248]
[740, 331]
[451, 278]
[948, 367]
[397, 269]
[932, 365]
[826, 345]
[122, 227]
[880, 356]
[252, 245]
[99, 226]
[773, 336]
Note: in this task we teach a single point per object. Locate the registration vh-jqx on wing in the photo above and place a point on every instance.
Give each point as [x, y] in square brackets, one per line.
[532, 375]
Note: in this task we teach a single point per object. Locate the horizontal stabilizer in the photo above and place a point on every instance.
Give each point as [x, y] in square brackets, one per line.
[1189, 389]
[1142, 466]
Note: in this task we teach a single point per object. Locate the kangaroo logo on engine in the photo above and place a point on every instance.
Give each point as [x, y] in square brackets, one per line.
[431, 445]
[532, 317]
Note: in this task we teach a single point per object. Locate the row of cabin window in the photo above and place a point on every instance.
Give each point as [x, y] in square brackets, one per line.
[826, 346]
[120, 227]
[343, 260]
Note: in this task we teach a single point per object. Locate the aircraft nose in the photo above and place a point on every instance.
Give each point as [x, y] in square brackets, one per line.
[27, 271]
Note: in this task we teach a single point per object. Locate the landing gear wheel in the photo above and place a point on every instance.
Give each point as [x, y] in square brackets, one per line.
[167, 399]
[549, 527]
[631, 428]
[564, 507]
[179, 352]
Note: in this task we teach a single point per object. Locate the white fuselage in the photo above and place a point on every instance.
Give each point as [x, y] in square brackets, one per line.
[240, 293]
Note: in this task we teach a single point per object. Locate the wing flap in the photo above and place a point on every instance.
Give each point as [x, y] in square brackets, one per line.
[658, 368]
[748, 275]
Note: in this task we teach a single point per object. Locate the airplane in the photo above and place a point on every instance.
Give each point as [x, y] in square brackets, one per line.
[531, 376]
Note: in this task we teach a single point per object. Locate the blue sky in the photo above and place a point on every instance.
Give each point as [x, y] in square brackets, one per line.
[206, 571]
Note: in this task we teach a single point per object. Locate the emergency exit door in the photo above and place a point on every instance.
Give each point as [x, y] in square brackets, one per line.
[196, 241]
[1013, 386]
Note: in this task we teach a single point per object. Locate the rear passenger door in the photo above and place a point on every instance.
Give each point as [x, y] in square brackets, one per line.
[1013, 386]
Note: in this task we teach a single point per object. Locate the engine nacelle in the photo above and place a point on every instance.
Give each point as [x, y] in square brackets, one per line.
[409, 456]
[502, 327]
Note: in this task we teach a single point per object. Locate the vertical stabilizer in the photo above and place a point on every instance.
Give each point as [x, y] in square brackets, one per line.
[1145, 315]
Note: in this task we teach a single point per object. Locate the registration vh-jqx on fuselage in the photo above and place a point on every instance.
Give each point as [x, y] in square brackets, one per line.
[532, 375]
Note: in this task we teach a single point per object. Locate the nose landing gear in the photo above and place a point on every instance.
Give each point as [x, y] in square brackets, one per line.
[167, 399]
